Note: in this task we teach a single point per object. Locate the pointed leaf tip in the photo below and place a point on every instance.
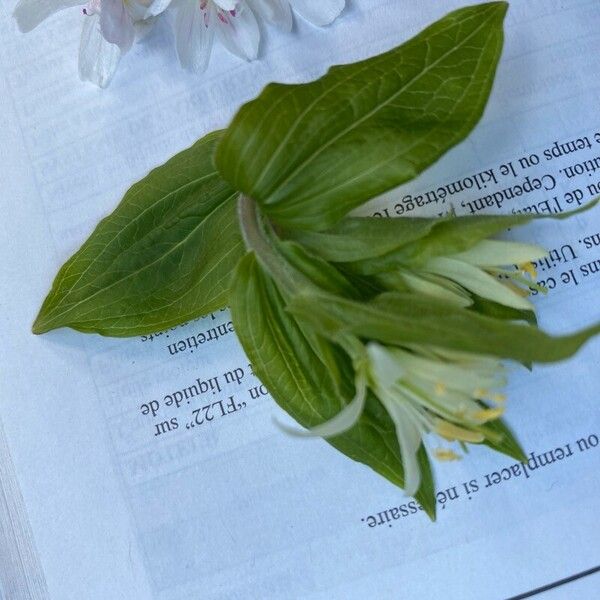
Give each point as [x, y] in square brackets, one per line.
[163, 257]
[279, 145]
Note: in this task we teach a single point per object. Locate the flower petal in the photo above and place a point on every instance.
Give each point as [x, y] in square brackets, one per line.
[142, 28]
[409, 439]
[98, 59]
[276, 12]
[136, 9]
[319, 12]
[194, 32]
[343, 421]
[423, 285]
[474, 279]
[453, 376]
[386, 369]
[227, 5]
[116, 24]
[156, 7]
[30, 13]
[239, 32]
[497, 253]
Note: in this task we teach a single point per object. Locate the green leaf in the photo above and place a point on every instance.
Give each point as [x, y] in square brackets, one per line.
[321, 273]
[301, 383]
[483, 306]
[164, 256]
[310, 153]
[397, 318]
[359, 238]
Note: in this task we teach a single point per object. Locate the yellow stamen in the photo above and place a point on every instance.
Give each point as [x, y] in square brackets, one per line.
[529, 269]
[445, 454]
[481, 394]
[489, 414]
[440, 388]
[452, 432]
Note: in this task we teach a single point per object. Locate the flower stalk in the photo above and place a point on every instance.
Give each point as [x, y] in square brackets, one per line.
[254, 233]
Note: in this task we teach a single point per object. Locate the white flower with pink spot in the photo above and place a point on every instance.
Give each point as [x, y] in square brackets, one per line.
[110, 27]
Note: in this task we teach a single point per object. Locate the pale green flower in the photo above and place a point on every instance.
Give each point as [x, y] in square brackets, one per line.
[425, 391]
[433, 391]
[484, 269]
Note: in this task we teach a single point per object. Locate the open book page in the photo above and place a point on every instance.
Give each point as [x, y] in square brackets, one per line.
[151, 468]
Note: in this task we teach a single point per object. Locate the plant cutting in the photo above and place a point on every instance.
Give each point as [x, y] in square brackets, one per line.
[387, 337]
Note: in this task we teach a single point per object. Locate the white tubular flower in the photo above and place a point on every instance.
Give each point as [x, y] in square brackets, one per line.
[434, 392]
[425, 391]
[483, 270]
[197, 23]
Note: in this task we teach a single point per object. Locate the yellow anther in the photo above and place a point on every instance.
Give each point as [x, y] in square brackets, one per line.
[488, 414]
[445, 454]
[440, 388]
[529, 269]
[481, 394]
[452, 432]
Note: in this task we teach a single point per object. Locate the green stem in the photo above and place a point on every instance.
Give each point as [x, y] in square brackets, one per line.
[260, 242]
[260, 238]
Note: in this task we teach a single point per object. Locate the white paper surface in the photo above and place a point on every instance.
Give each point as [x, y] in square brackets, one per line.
[234, 508]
